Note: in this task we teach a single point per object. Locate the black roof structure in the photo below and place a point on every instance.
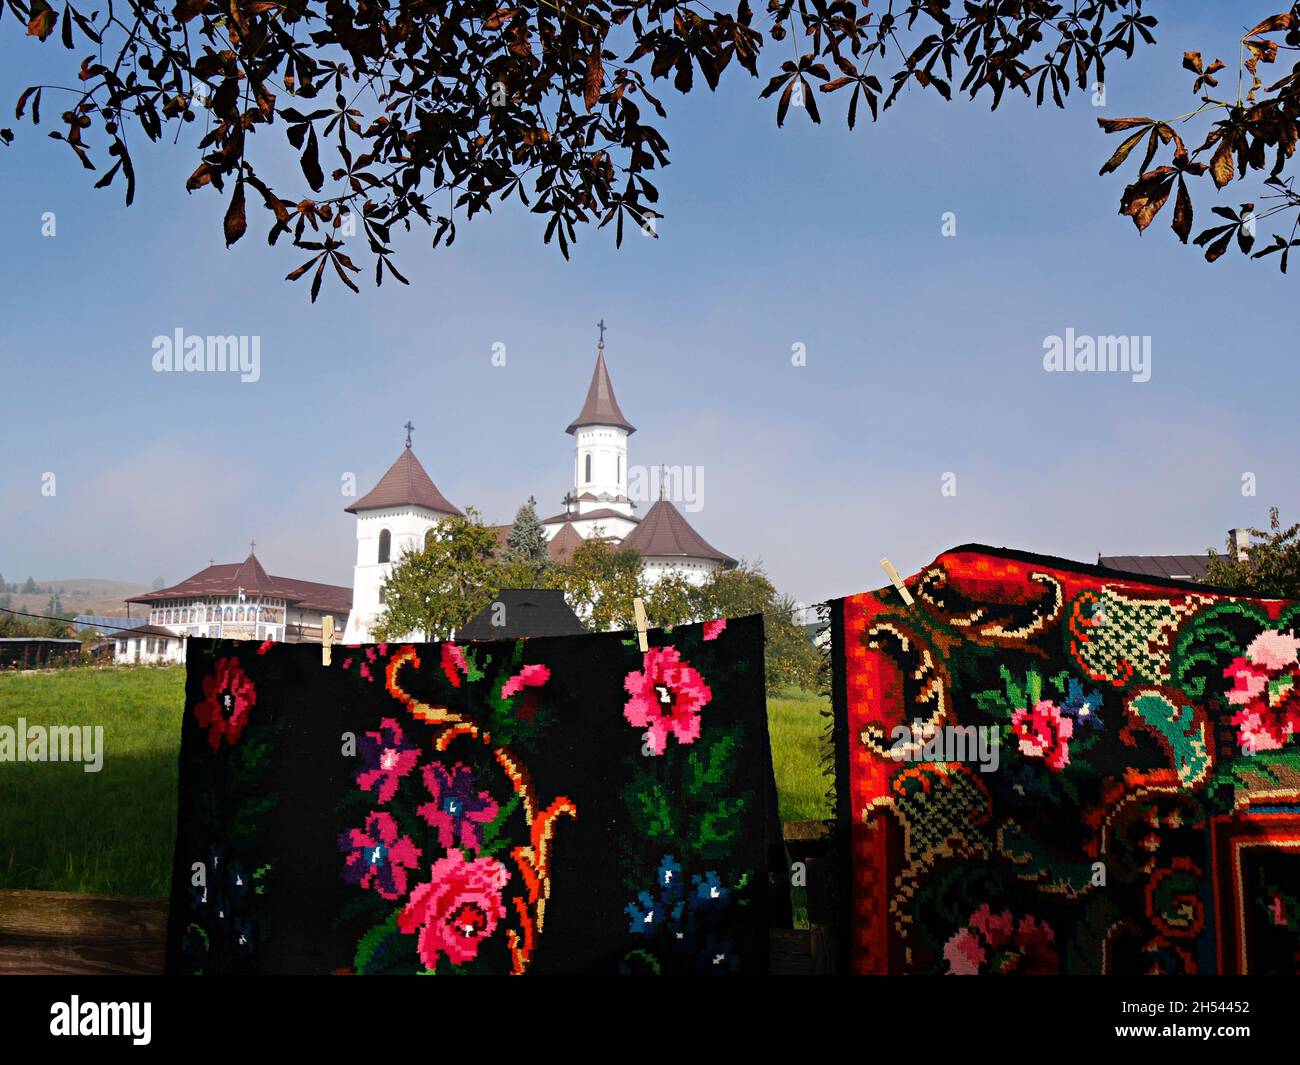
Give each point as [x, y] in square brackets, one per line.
[1166, 567]
[525, 612]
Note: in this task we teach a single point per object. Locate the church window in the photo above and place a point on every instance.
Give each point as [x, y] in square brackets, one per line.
[385, 545]
[587, 479]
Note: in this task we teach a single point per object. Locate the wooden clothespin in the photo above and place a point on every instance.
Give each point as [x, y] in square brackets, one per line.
[638, 608]
[897, 581]
[326, 638]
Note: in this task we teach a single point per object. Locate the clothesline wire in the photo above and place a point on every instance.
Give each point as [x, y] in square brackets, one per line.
[67, 621]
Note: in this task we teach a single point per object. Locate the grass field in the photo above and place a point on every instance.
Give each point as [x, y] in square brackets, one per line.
[111, 832]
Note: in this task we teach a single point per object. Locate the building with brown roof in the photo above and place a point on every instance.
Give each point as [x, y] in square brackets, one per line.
[598, 502]
[232, 601]
[405, 507]
[668, 544]
[396, 516]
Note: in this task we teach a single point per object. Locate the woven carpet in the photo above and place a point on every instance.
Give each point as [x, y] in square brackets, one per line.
[1047, 767]
[560, 805]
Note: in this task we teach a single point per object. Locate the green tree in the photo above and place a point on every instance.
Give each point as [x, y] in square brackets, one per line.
[1271, 568]
[526, 545]
[13, 625]
[673, 600]
[437, 589]
[31, 587]
[791, 658]
[599, 582]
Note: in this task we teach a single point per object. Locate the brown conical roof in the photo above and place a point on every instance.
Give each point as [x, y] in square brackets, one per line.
[601, 408]
[405, 484]
[251, 577]
[562, 544]
[664, 532]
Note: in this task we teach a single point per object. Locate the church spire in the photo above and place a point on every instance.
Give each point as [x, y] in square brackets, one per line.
[600, 408]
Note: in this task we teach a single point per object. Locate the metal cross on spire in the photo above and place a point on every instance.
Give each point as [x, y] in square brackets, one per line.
[601, 326]
[252, 547]
[408, 427]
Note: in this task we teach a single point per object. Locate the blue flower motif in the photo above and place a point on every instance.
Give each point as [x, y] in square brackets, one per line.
[1082, 709]
[644, 914]
[238, 882]
[670, 878]
[708, 896]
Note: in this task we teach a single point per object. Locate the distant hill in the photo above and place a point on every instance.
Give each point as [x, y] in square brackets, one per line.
[81, 595]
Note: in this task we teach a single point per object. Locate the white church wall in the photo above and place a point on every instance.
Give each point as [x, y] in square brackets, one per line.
[697, 571]
[407, 528]
[610, 528]
[607, 447]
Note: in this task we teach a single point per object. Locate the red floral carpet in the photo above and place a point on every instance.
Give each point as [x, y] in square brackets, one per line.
[1043, 767]
[550, 805]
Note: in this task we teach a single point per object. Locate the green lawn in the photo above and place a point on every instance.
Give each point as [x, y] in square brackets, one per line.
[111, 832]
[797, 727]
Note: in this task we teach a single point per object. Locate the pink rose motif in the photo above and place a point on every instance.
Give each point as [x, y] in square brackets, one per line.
[1248, 681]
[1264, 689]
[457, 909]
[667, 697]
[1275, 651]
[1044, 733]
[997, 943]
[964, 953]
[713, 629]
[528, 677]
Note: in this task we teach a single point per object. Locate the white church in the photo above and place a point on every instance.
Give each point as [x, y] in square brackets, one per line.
[401, 511]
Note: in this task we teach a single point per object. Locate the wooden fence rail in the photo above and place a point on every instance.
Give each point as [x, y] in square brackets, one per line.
[60, 933]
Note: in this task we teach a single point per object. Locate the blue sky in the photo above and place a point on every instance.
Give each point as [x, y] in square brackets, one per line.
[924, 353]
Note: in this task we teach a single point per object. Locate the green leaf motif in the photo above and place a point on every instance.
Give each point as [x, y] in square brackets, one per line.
[1207, 643]
[651, 809]
[491, 844]
[375, 946]
[1184, 736]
